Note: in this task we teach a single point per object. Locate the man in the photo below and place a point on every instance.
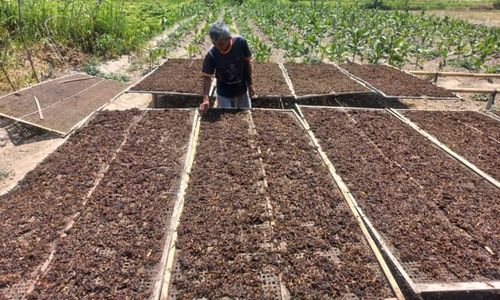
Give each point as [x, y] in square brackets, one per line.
[230, 60]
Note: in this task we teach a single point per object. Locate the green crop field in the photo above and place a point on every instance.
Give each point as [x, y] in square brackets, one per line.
[375, 36]
[337, 31]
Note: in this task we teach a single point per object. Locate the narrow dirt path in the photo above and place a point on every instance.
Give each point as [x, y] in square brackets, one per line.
[181, 50]
[277, 55]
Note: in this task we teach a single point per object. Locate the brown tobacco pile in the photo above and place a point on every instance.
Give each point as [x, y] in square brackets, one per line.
[394, 82]
[114, 249]
[471, 134]
[426, 205]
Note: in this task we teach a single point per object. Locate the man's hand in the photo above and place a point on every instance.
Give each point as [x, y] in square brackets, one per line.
[251, 91]
[204, 105]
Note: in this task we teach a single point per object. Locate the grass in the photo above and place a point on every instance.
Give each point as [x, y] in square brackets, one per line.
[92, 69]
[4, 174]
[103, 28]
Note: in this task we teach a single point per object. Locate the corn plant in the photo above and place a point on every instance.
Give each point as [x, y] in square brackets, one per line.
[261, 51]
[191, 50]
[393, 37]
[153, 56]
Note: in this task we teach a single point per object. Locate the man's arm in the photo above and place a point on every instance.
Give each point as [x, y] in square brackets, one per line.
[207, 72]
[207, 83]
[249, 67]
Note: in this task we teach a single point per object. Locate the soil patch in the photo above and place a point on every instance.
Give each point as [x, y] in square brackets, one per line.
[317, 79]
[269, 81]
[458, 104]
[130, 100]
[277, 55]
[393, 82]
[480, 17]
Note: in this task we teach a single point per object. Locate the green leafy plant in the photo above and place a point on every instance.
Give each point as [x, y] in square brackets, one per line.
[94, 71]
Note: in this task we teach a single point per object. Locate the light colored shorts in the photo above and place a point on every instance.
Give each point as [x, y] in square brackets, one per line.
[242, 101]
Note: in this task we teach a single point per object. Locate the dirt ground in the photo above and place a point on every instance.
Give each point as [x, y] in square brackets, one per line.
[444, 104]
[16, 161]
[481, 17]
[130, 100]
[468, 101]
[123, 64]
[277, 55]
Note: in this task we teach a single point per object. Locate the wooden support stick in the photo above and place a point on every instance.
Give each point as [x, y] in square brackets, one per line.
[455, 74]
[492, 115]
[77, 79]
[472, 90]
[162, 93]
[458, 286]
[491, 100]
[40, 113]
[155, 100]
[162, 287]
[339, 107]
[288, 80]
[32, 124]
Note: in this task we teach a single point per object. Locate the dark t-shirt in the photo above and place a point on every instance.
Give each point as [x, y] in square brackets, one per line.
[230, 68]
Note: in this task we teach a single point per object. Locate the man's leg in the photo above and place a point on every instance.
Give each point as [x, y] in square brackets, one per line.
[224, 102]
[243, 102]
